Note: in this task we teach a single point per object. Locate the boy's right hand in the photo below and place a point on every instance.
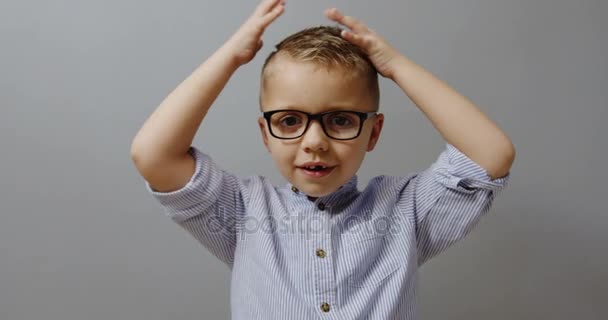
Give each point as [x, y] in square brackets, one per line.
[247, 41]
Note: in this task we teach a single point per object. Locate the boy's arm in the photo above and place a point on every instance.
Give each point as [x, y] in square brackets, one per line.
[160, 148]
[458, 120]
[447, 200]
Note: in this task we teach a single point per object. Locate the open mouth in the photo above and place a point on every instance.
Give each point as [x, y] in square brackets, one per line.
[317, 171]
[316, 168]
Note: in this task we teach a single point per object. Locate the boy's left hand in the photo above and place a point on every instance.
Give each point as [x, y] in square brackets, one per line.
[379, 51]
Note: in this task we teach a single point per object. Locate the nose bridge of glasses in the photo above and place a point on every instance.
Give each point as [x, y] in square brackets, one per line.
[318, 117]
[321, 118]
[319, 123]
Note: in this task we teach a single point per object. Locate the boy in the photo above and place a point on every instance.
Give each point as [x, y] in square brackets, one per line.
[319, 98]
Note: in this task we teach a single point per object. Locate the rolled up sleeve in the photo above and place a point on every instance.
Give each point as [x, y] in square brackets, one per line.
[208, 206]
[449, 198]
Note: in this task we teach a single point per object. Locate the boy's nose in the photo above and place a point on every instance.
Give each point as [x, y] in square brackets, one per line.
[314, 138]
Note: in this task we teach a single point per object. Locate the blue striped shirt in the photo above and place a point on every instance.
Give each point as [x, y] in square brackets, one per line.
[348, 255]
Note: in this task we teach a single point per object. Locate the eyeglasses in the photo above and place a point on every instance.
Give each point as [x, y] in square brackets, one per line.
[339, 125]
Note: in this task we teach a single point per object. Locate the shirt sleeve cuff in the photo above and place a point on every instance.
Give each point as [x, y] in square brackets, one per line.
[457, 171]
[194, 192]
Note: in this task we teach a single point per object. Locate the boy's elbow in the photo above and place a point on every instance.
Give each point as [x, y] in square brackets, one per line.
[504, 163]
[141, 158]
[135, 151]
[136, 156]
[144, 153]
[139, 161]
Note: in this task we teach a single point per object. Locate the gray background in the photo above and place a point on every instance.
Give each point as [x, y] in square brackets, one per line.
[80, 238]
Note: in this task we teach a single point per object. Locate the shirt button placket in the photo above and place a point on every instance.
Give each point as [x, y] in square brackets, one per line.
[324, 269]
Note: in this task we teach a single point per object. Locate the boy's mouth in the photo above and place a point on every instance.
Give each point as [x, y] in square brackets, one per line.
[316, 170]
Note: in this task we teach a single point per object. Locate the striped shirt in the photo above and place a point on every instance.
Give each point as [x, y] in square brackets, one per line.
[348, 255]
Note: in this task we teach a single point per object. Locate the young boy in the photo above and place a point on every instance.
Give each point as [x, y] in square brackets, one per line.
[319, 98]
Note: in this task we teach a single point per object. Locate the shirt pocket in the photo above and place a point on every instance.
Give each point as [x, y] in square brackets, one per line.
[368, 260]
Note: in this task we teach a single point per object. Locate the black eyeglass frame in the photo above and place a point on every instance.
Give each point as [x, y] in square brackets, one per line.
[319, 117]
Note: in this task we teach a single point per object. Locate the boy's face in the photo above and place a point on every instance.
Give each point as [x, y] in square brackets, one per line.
[313, 89]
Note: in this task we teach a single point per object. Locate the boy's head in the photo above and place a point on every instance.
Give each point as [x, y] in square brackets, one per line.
[313, 72]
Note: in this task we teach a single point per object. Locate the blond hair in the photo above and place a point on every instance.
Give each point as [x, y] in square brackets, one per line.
[324, 46]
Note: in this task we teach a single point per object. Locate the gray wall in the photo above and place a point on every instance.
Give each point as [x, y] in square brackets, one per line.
[81, 239]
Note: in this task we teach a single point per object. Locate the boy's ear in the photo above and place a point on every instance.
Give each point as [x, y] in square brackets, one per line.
[262, 125]
[376, 129]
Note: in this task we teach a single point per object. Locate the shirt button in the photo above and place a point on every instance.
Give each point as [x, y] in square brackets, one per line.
[325, 307]
[294, 189]
[320, 253]
[321, 206]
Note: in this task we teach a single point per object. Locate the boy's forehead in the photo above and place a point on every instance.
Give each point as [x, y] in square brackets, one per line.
[282, 61]
[312, 87]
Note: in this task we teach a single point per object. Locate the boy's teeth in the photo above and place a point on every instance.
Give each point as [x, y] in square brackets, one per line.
[315, 167]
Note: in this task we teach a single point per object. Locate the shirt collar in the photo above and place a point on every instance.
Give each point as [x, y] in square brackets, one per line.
[333, 201]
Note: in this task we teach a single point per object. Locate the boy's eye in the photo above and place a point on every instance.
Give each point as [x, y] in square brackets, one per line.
[290, 120]
[341, 120]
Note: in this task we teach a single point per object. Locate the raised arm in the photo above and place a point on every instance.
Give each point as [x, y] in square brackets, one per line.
[456, 118]
[160, 148]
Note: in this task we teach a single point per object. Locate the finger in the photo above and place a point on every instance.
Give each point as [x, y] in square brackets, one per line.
[354, 38]
[352, 23]
[265, 6]
[272, 15]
